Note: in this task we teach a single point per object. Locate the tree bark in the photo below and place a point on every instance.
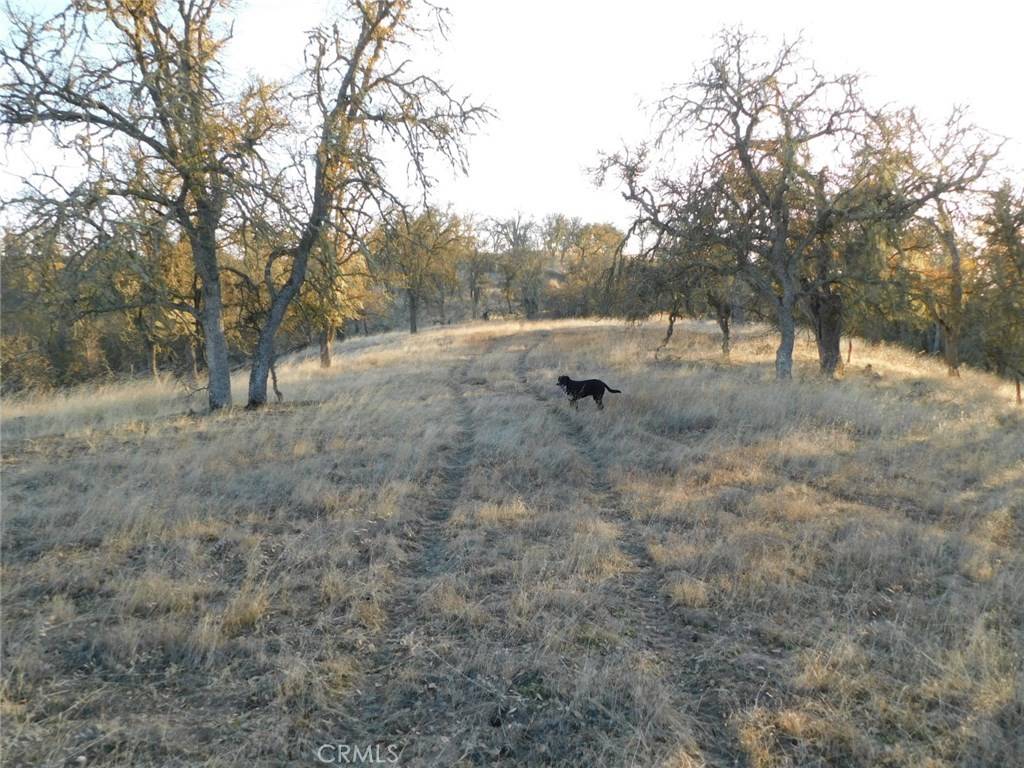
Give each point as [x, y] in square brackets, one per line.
[787, 337]
[273, 379]
[326, 340]
[263, 358]
[936, 346]
[723, 314]
[530, 307]
[952, 326]
[142, 328]
[737, 311]
[151, 358]
[723, 323]
[260, 371]
[787, 330]
[785, 304]
[60, 350]
[204, 252]
[191, 365]
[849, 349]
[951, 348]
[672, 316]
[827, 311]
[413, 309]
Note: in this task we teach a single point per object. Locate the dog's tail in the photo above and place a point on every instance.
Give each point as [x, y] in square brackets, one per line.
[616, 391]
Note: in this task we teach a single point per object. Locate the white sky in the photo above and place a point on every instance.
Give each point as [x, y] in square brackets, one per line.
[567, 76]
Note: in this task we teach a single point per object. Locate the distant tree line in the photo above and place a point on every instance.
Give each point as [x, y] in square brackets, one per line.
[215, 226]
[78, 306]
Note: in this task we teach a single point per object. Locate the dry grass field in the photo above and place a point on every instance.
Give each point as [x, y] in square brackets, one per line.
[426, 547]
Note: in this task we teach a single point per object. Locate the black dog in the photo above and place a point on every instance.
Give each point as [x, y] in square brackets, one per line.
[577, 390]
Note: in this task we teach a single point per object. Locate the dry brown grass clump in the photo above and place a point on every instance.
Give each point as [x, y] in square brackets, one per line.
[425, 547]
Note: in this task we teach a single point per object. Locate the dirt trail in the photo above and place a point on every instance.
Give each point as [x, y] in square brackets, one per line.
[681, 643]
[379, 714]
[663, 631]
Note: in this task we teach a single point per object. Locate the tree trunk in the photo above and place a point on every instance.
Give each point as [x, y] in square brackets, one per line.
[191, 366]
[723, 314]
[151, 358]
[413, 309]
[60, 350]
[952, 325]
[787, 332]
[785, 304]
[723, 323]
[849, 349]
[203, 241]
[784, 353]
[530, 307]
[1017, 380]
[197, 342]
[273, 379]
[263, 358]
[951, 349]
[326, 339]
[671, 327]
[366, 330]
[827, 310]
[260, 370]
[149, 349]
[737, 312]
[211, 317]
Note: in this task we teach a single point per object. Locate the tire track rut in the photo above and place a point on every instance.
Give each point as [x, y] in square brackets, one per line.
[663, 633]
[379, 715]
[613, 507]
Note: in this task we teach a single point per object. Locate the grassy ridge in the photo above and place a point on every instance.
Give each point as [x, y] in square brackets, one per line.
[425, 547]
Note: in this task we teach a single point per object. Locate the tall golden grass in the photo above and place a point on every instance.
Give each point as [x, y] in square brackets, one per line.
[424, 546]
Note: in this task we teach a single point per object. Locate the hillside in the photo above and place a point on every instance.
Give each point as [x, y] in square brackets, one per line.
[425, 547]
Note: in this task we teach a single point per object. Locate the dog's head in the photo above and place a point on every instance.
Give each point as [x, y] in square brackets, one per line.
[563, 381]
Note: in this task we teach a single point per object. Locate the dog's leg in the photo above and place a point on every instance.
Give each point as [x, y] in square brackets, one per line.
[600, 403]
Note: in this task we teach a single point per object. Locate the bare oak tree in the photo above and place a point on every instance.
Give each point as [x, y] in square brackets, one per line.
[519, 261]
[124, 83]
[364, 99]
[418, 254]
[791, 155]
